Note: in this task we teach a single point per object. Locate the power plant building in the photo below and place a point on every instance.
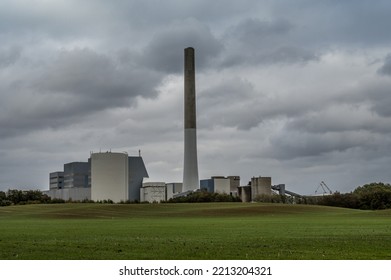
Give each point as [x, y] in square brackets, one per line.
[234, 182]
[71, 184]
[244, 193]
[153, 192]
[56, 180]
[173, 189]
[261, 186]
[109, 176]
[137, 173]
[216, 184]
[77, 174]
[159, 191]
[114, 176]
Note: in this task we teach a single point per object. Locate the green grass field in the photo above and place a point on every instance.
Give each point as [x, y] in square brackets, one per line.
[193, 231]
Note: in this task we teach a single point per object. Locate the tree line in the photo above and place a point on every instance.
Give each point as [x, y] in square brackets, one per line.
[204, 196]
[20, 197]
[373, 196]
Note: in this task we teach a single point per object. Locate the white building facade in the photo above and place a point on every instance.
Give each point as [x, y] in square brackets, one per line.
[109, 176]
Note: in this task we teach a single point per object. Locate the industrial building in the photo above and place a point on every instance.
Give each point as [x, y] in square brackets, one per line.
[77, 175]
[244, 193]
[221, 184]
[261, 186]
[153, 192]
[109, 176]
[137, 173]
[114, 176]
[173, 189]
[73, 183]
[56, 180]
[159, 191]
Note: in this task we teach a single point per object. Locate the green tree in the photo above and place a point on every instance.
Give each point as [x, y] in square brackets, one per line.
[374, 196]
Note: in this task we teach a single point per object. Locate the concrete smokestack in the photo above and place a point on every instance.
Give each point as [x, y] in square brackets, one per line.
[190, 168]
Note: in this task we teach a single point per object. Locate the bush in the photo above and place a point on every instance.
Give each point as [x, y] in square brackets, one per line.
[373, 196]
[19, 197]
[4, 202]
[57, 200]
[204, 196]
[270, 198]
[346, 200]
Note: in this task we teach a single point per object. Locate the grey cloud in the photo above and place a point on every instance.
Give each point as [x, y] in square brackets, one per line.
[374, 94]
[381, 103]
[9, 56]
[78, 83]
[232, 103]
[287, 54]
[288, 146]
[327, 23]
[255, 32]
[87, 74]
[165, 51]
[254, 41]
[339, 119]
[385, 69]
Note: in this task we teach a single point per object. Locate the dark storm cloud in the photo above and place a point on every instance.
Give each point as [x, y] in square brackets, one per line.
[97, 78]
[77, 83]
[254, 41]
[165, 50]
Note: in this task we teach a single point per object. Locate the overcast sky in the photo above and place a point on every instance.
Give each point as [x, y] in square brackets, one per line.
[296, 90]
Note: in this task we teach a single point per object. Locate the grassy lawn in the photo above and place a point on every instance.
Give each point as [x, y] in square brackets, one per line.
[193, 231]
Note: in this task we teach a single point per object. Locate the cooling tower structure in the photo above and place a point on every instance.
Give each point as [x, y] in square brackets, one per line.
[190, 167]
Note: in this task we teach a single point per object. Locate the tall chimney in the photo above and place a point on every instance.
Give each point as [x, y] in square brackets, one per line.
[190, 168]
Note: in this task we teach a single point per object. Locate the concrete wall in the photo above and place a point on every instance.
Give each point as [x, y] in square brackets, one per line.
[76, 194]
[222, 185]
[245, 193]
[173, 188]
[137, 172]
[190, 165]
[109, 176]
[153, 192]
[235, 184]
[261, 185]
[76, 174]
[56, 180]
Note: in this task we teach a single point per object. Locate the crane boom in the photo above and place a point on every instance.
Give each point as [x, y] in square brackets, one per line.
[324, 187]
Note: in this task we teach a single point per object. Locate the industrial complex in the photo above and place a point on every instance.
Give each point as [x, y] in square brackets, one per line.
[105, 176]
[119, 177]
